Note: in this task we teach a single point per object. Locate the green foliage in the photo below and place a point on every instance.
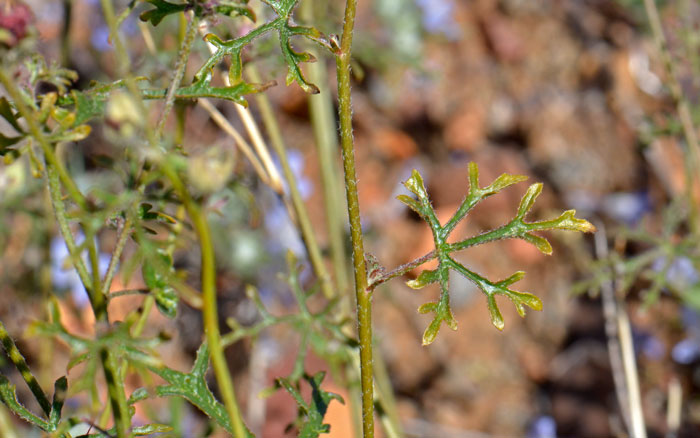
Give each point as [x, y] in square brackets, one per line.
[516, 228]
[202, 10]
[191, 386]
[668, 260]
[311, 414]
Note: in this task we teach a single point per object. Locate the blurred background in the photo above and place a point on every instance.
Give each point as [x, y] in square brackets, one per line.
[573, 93]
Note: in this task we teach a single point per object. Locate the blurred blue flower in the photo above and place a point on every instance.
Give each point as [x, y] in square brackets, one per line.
[296, 162]
[680, 274]
[286, 235]
[648, 344]
[688, 350]
[438, 17]
[627, 207]
[64, 276]
[543, 426]
[100, 38]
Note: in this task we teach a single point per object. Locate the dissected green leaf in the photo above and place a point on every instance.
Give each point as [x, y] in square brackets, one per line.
[540, 243]
[166, 301]
[156, 278]
[425, 278]
[201, 9]
[192, 387]
[8, 395]
[516, 228]
[312, 412]
[528, 199]
[162, 10]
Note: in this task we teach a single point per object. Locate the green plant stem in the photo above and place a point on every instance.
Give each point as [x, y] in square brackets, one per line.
[39, 137]
[95, 267]
[21, 365]
[116, 395]
[362, 294]
[209, 307]
[54, 188]
[302, 214]
[182, 57]
[123, 232]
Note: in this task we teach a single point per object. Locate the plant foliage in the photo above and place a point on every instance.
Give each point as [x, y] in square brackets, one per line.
[516, 228]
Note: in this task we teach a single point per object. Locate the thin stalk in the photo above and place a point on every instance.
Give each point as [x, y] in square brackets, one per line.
[95, 268]
[302, 214]
[123, 232]
[363, 295]
[229, 129]
[116, 395]
[59, 209]
[324, 125]
[182, 57]
[209, 307]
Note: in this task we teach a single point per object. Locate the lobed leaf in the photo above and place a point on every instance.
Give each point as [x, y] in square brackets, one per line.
[313, 412]
[8, 395]
[528, 199]
[162, 10]
[425, 278]
[201, 9]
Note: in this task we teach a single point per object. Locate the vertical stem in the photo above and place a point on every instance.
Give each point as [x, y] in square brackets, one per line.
[209, 307]
[364, 297]
[302, 214]
[116, 395]
[182, 57]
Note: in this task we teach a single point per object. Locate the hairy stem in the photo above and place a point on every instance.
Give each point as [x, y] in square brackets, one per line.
[182, 57]
[363, 295]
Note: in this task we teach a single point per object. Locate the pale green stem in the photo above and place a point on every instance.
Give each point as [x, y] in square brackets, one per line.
[209, 306]
[302, 214]
[123, 231]
[183, 56]
[117, 397]
[59, 209]
[363, 295]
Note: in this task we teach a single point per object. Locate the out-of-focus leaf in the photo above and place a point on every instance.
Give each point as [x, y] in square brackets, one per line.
[312, 412]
